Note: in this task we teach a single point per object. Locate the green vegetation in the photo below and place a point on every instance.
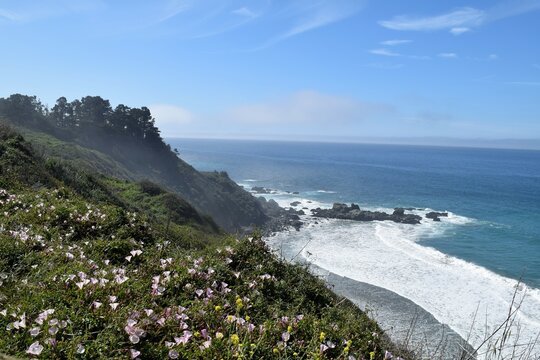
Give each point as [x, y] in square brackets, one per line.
[124, 143]
[95, 267]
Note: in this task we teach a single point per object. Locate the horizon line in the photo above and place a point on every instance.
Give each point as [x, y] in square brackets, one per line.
[532, 144]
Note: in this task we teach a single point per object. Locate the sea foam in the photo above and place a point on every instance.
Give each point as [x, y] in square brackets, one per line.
[470, 299]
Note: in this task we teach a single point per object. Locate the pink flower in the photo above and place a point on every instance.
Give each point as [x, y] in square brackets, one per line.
[184, 338]
[35, 349]
[96, 304]
[285, 336]
[134, 353]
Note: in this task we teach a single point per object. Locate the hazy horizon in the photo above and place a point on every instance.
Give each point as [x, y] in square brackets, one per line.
[510, 144]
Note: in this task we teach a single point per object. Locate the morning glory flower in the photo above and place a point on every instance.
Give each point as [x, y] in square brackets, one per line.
[35, 349]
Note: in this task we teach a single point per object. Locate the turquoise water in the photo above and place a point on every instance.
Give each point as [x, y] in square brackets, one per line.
[498, 189]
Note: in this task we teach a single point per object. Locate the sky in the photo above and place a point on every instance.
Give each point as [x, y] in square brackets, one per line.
[283, 69]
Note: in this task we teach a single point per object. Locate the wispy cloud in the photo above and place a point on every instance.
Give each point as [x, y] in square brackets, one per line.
[244, 11]
[27, 11]
[310, 15]
[454, 19]
[384, 66]
[461, 20]
[448, 55]
[307, 107]
[459, 30]
[9, 15]
[395, 42]
[384, 52]
[173, 8]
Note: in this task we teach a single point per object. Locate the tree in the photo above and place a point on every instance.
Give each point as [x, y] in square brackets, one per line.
[23, 108]
[62, 113]
[94, 110]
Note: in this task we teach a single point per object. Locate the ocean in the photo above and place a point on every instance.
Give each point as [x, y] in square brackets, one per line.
[462, 270]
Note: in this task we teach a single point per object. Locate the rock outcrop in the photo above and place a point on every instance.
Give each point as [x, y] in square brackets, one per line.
[353, 212]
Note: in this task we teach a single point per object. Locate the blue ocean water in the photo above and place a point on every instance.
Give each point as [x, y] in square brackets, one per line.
[498, 189]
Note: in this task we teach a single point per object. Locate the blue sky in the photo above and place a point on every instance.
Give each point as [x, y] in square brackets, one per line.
[287, 69]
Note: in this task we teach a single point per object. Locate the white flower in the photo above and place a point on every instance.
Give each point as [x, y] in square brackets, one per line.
[173, 354]
[134, 353]
[114, 305]
[35, 349]
[34, 331]
[134, 339]
[80, 349]
[96, 304]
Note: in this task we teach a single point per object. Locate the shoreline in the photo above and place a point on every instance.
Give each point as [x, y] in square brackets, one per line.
[402, 320]
[438, 306]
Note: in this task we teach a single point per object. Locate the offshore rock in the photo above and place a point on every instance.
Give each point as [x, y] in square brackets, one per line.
[353, 212]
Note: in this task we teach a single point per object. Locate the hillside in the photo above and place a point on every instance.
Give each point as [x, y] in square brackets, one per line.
[123, 142]
[86, 273]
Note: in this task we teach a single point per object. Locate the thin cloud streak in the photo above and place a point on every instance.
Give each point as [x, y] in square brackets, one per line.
[9, 15]
[461, 20]
[395, 42]
[174, 8]
[27, 11]
[459, 30]
[312, 16]
[448, 55]
[457, 18]
[384, 52]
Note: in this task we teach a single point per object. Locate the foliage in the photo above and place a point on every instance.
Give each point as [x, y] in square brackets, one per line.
[124, 142]
[86, 281]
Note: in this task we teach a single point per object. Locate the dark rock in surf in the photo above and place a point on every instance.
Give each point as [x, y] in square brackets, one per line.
[434, 215]
[261, 190]
[353, 212]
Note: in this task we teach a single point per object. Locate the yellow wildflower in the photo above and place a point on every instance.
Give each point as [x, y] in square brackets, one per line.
[217, 308]
[235, 339]
[322, 336]
[239, 303]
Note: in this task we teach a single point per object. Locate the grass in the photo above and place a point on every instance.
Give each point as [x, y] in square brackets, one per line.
[81, 280]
